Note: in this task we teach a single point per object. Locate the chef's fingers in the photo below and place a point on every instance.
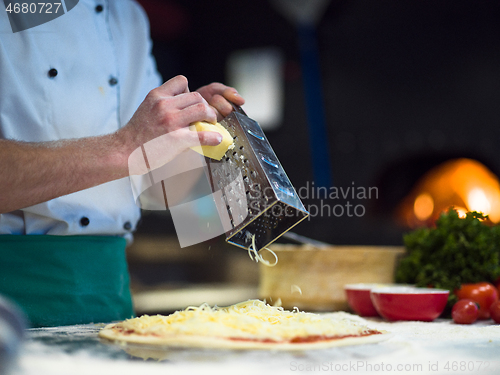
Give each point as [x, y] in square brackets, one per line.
[221, 97]
[181, 110]
[174, 86]
[209, 138]
[185, 100]
[211, 89]
[193, 113]
[184, 138]
[221, 105]
[233, 96]
[163, 149]
[217, 88]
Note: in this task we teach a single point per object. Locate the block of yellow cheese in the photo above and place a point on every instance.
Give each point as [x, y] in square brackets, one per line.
[213, 152]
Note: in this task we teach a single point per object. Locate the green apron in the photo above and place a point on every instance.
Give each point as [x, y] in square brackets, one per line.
[64, 280]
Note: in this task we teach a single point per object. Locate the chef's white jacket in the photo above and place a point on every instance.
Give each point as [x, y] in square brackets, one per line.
[82, 74]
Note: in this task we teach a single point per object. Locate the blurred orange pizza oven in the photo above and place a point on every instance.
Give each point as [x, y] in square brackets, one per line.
[465, 184]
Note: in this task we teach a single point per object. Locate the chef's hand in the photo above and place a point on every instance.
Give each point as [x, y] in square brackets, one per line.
[168, 108]
[161, 121]
[219, 97]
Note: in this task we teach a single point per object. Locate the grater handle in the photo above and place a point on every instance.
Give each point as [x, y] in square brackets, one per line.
[238, 109]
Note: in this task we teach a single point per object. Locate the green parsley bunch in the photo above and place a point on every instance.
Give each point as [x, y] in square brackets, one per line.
[454, 252]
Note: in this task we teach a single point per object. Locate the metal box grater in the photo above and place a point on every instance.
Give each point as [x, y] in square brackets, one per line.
[252, 193]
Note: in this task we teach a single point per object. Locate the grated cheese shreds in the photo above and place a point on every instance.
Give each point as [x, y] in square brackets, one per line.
[295, 289]
[253, 319]
[255, 255]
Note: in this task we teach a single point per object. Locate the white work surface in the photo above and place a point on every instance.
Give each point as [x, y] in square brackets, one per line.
[440, 347]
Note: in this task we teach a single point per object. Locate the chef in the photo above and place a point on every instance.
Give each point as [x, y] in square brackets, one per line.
[78, 95]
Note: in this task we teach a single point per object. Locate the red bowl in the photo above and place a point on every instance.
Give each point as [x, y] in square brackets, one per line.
[409, 303]
[359, 300]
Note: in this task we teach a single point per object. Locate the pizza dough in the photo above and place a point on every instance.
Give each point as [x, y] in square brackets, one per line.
[213, 152]
[248, 325]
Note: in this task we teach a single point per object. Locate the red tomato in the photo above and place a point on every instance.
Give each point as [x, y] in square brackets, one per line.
[497, 285]
[465, 311]
[495, 311]
[483, 293]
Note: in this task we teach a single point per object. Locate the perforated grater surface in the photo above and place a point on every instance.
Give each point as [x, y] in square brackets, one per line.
[252, 193]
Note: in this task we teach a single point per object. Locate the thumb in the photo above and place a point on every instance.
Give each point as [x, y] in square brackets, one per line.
[207, 138]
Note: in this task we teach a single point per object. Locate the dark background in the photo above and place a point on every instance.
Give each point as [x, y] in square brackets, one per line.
[406, 85]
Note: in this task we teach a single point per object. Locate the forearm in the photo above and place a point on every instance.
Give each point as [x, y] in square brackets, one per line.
[32, 173]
